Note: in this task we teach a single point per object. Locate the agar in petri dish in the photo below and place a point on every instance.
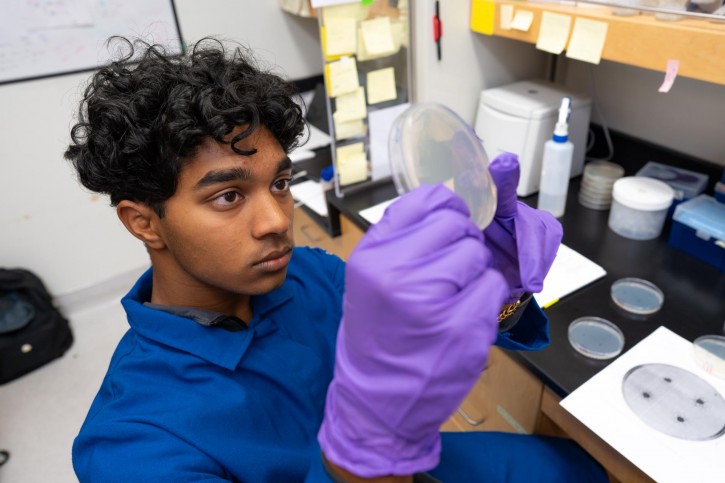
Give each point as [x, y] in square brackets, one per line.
[637, 295]
[709, 351]
[430, 144]
[596, 338]
[675, 401]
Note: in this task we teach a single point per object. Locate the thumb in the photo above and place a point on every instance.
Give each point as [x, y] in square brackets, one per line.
[505, 173]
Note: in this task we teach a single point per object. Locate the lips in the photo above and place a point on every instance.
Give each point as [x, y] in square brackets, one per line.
[275, 260]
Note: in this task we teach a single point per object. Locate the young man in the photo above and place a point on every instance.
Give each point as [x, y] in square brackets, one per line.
[243, 352]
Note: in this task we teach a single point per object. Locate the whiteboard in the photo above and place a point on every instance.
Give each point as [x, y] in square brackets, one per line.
[40, 38]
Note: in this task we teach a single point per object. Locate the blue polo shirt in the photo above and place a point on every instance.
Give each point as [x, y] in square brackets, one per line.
[182, 401]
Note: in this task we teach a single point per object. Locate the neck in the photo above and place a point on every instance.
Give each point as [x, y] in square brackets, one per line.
[177, 289]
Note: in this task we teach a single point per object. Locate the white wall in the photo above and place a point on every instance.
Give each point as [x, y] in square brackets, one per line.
[48, 223]
[470, 62]
[689, 119]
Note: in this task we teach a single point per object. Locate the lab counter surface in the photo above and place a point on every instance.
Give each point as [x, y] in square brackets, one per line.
[694, 291]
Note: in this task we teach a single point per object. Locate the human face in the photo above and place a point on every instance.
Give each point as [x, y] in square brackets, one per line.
[227, 229]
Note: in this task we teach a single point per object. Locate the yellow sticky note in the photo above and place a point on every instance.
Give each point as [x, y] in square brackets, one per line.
[347, 10]
[398, 37]
[342, 152]
[378, 36]
[483, 13]
[522, 20]
[352, 164]
[381, 85]
[553, 32]
[362, 53]
[341, 77]
[587, 40]
[349, 107]
[353, 169]
[339, 36]
[349, 129]
[506, 16]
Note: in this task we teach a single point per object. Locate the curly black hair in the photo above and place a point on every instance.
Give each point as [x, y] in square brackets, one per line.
[147, 112]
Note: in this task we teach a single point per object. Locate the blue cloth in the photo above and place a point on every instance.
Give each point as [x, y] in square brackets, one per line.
[186, 402]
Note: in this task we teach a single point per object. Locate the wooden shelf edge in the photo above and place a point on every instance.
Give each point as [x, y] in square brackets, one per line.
[641, 40]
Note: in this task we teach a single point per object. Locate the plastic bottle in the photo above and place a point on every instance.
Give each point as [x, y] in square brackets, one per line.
[326, 178]
[556, 165]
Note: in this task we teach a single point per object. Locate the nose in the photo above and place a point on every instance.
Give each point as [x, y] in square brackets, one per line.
[271, 216]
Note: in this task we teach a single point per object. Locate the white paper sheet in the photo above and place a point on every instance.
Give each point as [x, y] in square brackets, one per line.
[318, 138]
[311, 194]
[600, 405]
[379, 123]
[570, 272]
[375, 213]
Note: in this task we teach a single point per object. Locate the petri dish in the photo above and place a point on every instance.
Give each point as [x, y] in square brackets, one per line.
[637, 295]
[709, 351]
[674, 401]
[430, 144]
[596, 338]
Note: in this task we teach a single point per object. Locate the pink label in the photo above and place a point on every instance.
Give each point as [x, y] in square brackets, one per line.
[670, 75]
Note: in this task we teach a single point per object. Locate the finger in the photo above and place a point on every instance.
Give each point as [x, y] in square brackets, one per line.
[441, 274]
[481, 301]
[413, 207]
[440, 229]
[505, 172]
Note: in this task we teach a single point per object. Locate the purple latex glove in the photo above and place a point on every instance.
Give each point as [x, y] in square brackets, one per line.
[419, 316]
[522, 239]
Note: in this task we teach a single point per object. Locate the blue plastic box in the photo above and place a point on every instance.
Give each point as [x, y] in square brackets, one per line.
[698, 229]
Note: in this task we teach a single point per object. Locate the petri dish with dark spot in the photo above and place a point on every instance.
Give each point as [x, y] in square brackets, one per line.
[674, 401]
[596, 338]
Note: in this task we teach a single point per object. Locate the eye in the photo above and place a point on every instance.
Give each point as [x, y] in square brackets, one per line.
[227, 199]
[281, 185]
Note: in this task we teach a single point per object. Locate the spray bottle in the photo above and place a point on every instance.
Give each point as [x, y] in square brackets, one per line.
[556, 165]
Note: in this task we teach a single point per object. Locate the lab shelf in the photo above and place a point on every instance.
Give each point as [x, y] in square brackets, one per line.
[640, 40]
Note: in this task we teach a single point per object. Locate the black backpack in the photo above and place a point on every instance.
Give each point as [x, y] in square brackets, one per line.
[32, 331]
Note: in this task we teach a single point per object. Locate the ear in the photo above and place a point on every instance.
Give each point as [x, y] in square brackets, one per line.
[142, 222]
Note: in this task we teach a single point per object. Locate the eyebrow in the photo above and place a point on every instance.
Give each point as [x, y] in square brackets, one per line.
[235, 174]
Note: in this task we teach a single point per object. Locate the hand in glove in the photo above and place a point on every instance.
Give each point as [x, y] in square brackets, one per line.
[523, 240]
[419, 316]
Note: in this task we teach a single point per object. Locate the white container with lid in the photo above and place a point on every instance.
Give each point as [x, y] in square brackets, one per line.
[639, 207]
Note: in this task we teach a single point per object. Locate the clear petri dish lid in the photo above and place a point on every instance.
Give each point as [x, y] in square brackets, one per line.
[596, 338]
[637, 295]
[709, 352]
[430, 144]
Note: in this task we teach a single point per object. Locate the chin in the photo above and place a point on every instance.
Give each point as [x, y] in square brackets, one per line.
[273, 282]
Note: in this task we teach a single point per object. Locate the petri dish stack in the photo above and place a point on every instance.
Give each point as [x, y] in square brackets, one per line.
[595, 191]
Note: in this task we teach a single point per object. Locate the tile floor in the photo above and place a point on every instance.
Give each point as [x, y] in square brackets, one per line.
[41, 412]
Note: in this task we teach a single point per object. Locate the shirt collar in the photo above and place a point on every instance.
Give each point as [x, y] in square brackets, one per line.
[181, 331]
